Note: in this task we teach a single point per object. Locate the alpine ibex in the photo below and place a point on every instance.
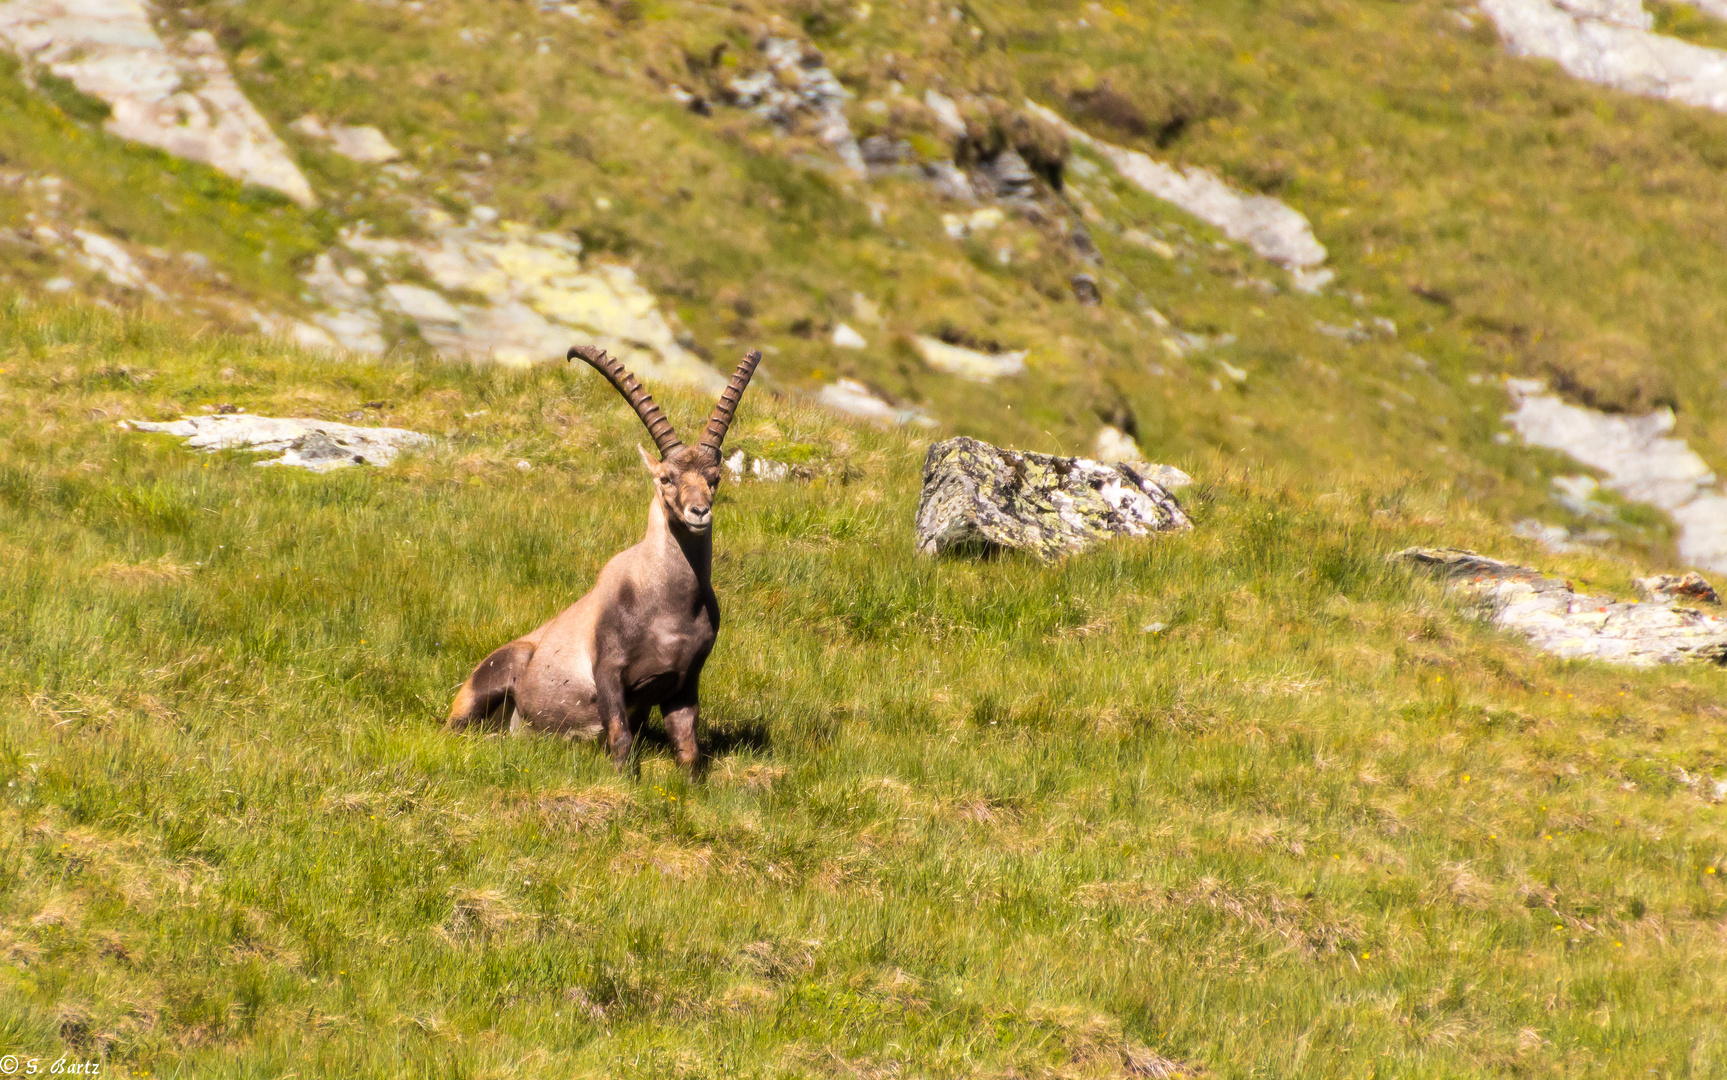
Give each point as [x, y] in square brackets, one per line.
[639, 638]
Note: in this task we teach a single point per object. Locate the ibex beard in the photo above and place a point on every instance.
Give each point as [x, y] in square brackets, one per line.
[639, 638]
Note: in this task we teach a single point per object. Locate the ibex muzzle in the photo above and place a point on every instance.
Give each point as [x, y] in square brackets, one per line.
[639, 638]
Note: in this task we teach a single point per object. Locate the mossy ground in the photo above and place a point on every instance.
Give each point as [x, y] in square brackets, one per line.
[963, 818]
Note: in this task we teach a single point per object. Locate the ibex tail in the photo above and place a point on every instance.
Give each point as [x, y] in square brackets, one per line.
[490, 692]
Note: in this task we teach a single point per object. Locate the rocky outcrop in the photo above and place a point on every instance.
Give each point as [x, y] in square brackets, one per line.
[979, 498]
[1611, 42]
[1641, 462]
[180, 98]
[1565, 623]
[540, 300]
[798, 83]
[318, 445]
[1275, 230]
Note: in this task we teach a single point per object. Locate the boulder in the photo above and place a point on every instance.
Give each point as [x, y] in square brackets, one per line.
[979, 498]
[1559, 620]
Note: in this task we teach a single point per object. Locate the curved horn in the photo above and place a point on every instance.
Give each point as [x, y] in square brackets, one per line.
[619, 376]
[728, 403]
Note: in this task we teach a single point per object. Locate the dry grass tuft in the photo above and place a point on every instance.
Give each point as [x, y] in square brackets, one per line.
[1139, 1061]
[160, 571]
[1300, 922]
[478, 915]
[578, 811]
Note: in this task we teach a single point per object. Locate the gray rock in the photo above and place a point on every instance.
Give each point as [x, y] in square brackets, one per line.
[1005, 176]
[1641, 461]
[318, 445]
[1565, 623]
[979, 498]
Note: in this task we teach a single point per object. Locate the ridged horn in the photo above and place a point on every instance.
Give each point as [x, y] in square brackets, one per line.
[619, 376]
[727, 406]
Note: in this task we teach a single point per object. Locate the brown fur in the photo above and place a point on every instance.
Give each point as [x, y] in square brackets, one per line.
[641, 635]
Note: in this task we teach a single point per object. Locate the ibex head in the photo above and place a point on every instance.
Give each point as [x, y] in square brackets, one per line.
[685, 477]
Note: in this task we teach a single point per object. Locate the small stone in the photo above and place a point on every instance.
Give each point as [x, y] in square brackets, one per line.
[853, 398]
[1154, 628]
[1085, 290]
[1668, 588]
[847, 338]
[1113, 444]
[969, 363]
[979, 498]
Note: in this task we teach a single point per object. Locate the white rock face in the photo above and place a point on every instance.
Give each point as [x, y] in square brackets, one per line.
[1610, 42]
[181, 99]
[1641, 462]
[1574, 626]
[853, 398]
[969, 363]
[318, 445]
[1276, 231]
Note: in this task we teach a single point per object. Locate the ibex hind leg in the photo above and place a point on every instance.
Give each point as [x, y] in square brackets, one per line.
[489, 696]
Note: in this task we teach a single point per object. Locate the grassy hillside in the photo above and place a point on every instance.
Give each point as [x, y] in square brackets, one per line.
[963, 818]
[1503, 216]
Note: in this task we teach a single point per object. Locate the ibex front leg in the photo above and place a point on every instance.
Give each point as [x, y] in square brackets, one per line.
[609, 689]
[680, 714]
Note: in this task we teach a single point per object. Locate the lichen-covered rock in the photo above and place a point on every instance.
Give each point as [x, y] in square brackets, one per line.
[981, 498]
[1568, 624]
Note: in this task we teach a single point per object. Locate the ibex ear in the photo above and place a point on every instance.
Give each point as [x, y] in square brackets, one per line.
[653, 466]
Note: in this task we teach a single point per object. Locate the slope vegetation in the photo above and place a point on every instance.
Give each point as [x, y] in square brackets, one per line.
[1244, 801]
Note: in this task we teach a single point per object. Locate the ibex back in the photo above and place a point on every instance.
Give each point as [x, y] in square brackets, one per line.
[639, 638]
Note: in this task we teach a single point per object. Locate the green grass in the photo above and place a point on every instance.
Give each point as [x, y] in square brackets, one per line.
[964, 818]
